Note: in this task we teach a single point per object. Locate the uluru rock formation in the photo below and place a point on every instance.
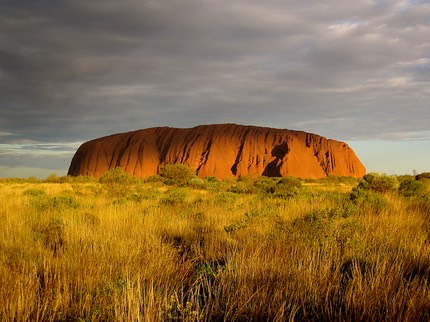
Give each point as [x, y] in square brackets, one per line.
[221, 150]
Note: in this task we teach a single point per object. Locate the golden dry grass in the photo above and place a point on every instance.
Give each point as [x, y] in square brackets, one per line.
[76, 252]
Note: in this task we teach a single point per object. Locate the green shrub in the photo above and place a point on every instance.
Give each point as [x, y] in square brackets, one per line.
[369, 191]
[117, 176]
[242, 185]
[336, 180]
[212, 184]
[53, 178]
[320, 216]
[423, 176]
[34, 192]
[42, 202]
[242, 222]
[58, 203]
[197, 183]
[412, 188]
[368, 198]
[154, 179]
[239, 188]
[347, 180]
[78, 179]
[176, 173]
[63, 202]
[265, 185]
[277, 187]
[378, 183]
[287, 187]
[322, 224]
[13, 180]
[426, 201]
[175, 196]
[311, 228]
[403, 177]
[226, 197]
[345, 210]
[118, 183]
[33, 179]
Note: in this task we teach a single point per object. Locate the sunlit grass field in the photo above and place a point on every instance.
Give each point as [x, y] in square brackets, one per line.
[339, 249]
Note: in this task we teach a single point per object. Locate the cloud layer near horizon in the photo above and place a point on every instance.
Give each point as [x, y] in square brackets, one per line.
[74, 70]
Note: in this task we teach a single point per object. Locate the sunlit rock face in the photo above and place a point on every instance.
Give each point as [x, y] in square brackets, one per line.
[221, 150]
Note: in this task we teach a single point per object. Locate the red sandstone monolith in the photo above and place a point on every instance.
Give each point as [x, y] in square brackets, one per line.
[221, 150]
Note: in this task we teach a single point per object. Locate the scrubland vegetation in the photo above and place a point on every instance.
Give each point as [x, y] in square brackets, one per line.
[178, 248]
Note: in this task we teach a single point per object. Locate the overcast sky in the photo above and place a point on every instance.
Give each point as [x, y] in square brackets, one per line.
[355, 71]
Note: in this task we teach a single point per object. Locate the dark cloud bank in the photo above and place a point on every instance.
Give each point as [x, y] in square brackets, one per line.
[74, 70]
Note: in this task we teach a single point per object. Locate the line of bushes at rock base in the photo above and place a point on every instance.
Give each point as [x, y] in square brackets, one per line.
[365, 188]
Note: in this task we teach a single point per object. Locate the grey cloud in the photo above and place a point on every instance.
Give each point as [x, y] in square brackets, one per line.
[74, 70]
[20, 159]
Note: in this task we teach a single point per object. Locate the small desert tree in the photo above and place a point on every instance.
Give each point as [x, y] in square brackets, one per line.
[425, 177]
[287, 187]
[381, 183]
[117, 182]
[412, 188]
[370, 191]
[177, 173]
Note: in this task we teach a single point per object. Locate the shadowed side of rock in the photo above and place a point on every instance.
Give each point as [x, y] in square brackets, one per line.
[222, 150]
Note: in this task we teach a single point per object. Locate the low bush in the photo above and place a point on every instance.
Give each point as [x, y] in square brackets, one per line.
[34, 192]
[287, 187]
[337, 180]
[423, 176]
[370, 199]
[412, 188]
[62, 202]
[175, 196]
[78, 179]
[197, 183]
[53, 178]
[118, 183]
[381, 183]
[176, 173]
[42, 202]
[241, 186]
[265, 185]
[33, 179]
[242, 223]
[226, 197]
[212, 184]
